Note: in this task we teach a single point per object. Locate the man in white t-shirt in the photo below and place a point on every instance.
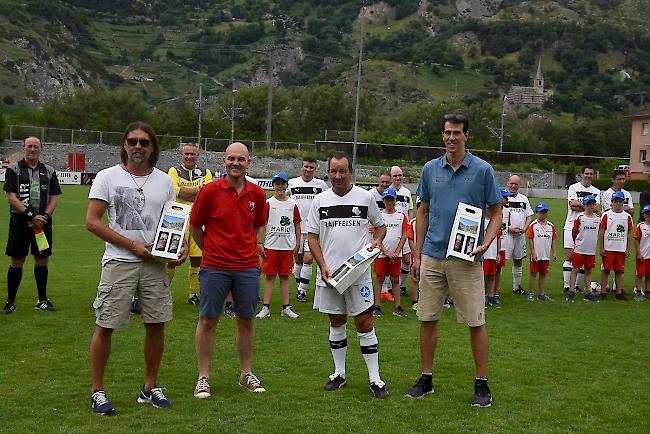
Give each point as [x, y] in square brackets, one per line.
[518, 213]
[303, 190]
[405, 205]
[618, 179]
[338, 225]
[575, 195]
[133, 194]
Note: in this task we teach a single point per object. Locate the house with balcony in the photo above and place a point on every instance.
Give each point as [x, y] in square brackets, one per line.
[640, 145]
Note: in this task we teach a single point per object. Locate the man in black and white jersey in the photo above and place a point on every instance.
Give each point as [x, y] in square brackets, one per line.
[405, 205]
[518, 215]
[303, 190]
[382, 184]
[338, 224]
[575, 195]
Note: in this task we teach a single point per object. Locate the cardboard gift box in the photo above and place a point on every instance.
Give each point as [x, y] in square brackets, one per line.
[352, 269]
[465, 231]
[171, 231]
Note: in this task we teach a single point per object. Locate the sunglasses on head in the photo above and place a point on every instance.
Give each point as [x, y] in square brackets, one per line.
[143, 142]
[455, 117]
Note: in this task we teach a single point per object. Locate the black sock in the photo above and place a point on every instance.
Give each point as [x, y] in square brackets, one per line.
[14, 276]
[284, 306]
[229, 304]
[40, 274]
[267, 305]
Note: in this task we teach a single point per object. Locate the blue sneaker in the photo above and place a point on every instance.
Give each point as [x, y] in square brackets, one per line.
[544, 297]
[497, 300]
[155, 397]
[229, 310]
[570, 297]
[135, 306]
[531, 296]
[100, 403]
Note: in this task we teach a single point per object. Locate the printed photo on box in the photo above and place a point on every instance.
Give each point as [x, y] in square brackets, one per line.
[162, 241]
[174, 243]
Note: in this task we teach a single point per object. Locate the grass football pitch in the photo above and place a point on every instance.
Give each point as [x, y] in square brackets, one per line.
[554, 367]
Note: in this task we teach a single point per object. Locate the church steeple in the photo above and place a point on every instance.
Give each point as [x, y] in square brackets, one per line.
[538, 83]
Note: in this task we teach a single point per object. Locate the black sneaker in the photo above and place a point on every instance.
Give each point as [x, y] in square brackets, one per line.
[376, 311]
[9, 308]
[520, 291]
[135, 306]
[335, 383]
[403, 292]
[421, 388]
[399, 312]
[482, 395]
[301, 296]
[622, 296]
[44, 305]
[229, 310]
[194, 300]
[378, 389]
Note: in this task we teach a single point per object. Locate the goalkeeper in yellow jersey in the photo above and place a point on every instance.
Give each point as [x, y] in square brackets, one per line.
[188, 179]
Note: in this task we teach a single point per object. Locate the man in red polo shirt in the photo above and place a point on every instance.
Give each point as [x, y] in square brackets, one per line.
[225, 222]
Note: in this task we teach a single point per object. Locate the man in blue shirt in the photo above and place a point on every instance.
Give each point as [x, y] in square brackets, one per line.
[457, 176]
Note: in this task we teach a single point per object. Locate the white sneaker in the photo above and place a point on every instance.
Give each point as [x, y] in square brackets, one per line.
[265, 312]
[202, 389]
[288, 312]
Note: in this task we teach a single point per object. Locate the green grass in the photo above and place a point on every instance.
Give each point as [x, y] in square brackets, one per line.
[554, 367]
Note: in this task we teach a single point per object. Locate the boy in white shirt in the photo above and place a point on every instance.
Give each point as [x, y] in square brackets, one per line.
[642, 243]
[585, 238]
[494, 259]
[390, 259]
[281, 244]
[614, 239]
[541, 234]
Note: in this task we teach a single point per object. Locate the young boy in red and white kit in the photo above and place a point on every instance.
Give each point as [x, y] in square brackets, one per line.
[390, 259]
[642, 243]
[494, 260]
[281, 244]
[410, 238]
[585, 238]
[541, 234]
[615, 239]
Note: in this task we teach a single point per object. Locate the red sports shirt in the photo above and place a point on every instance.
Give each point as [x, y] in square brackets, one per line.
[229, 221]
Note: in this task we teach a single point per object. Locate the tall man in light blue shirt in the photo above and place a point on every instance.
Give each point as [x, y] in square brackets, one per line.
[457, 176]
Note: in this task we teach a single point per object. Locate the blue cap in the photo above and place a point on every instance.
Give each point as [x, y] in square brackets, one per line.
[542, 206]
[645, 209]
[389, 192]
[224, 172]
[618, 195]
[588, 198]
[505, 192]
[280, 175]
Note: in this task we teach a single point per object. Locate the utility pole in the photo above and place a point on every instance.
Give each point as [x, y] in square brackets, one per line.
[200, 108]
[503, 114]
[269, 101]
[356, 110]
[232, 113]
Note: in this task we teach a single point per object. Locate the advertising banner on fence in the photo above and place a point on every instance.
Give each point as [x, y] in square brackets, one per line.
[69, 178]
[2, 175]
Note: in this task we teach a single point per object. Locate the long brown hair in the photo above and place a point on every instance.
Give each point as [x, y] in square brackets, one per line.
[153, 158]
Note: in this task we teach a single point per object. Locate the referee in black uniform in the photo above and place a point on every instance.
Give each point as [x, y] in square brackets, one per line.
[32, 191]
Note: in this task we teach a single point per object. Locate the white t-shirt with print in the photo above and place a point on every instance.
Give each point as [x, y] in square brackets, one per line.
[280, 224]
[304, 192]
[396, 224]
[576, 192]
[134, 206]
[607, 199]
[342, 224]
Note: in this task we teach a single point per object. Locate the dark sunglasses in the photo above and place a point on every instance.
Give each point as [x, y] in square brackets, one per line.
[143, 142]
[455, 117]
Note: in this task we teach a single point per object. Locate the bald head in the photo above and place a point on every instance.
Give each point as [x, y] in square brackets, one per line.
[237, 160]
[396, 177]
[513, 184]
[32, 150]
[32, 140]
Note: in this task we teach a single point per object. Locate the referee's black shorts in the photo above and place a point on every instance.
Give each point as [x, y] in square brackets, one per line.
[21, 238]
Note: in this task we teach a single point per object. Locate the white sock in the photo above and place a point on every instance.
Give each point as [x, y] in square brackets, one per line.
[386, 285]
[581, 278]
[370, 351]
[567, 267]
[516, 277]
[305, 275]
[296, 271]
[339, 347]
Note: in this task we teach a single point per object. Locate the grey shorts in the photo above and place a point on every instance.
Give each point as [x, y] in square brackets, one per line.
[215, 285]
[120, 282]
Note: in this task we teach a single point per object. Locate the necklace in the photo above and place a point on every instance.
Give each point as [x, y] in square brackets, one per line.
[139, 187]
